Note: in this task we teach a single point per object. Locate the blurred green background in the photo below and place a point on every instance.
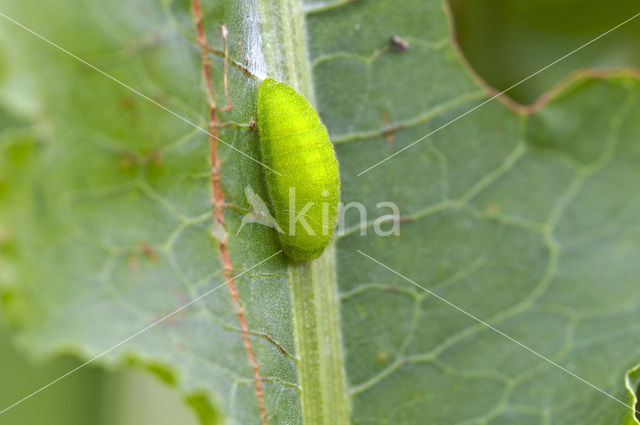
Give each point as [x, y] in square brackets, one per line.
[90, 396]
[504, 42]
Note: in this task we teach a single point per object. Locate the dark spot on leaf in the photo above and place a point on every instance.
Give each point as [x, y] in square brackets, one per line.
[387, 129]
[405, 219]
[148, 251]
[161, 99]
[493, 209]
[128, 103]
[399, 44]
[127, 160]
[156, 158]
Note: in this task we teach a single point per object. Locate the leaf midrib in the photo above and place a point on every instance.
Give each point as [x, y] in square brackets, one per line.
[313, 286]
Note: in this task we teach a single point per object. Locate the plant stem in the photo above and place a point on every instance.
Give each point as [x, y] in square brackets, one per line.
[315, 310]
[314, 291]
[284, 44]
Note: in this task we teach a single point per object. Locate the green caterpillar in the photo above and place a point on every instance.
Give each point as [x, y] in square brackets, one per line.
[306, 192]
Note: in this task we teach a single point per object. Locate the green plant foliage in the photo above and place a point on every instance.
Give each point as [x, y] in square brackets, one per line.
[528, 221]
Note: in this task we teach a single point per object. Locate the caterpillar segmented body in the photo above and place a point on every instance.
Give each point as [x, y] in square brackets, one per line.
[306, 192]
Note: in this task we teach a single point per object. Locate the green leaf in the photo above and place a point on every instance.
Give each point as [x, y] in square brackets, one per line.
[528, 222]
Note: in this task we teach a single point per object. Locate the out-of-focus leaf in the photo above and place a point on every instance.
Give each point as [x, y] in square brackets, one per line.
[507, 41]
